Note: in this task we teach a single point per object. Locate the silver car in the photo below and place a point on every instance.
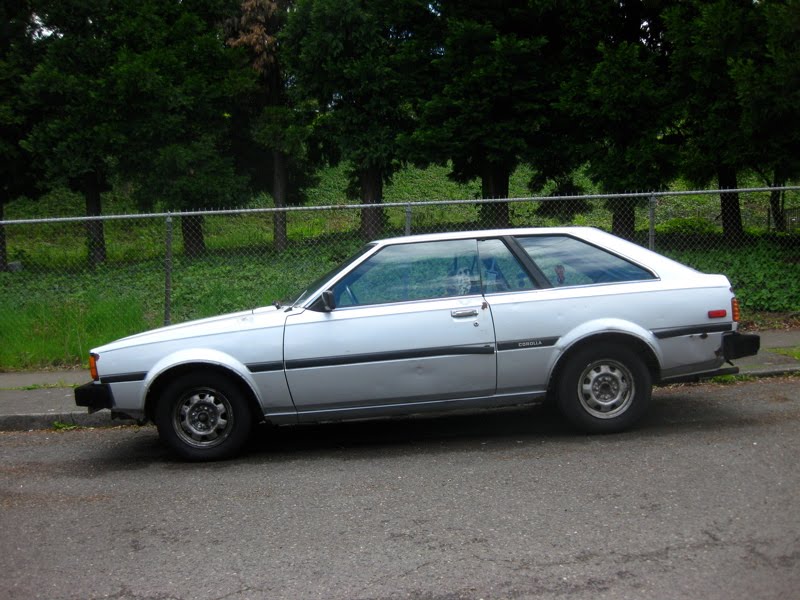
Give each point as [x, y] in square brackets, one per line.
[438, 322]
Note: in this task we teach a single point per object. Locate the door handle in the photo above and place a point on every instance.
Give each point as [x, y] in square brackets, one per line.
[460, 314]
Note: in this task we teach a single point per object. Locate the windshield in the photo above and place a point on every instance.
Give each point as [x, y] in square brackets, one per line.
[330, 275]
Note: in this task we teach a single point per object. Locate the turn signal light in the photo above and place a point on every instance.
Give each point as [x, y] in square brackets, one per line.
[735, 309]
[93, 358]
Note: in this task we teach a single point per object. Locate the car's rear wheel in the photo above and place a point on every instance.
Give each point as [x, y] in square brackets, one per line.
[203, 416]
[604, 389]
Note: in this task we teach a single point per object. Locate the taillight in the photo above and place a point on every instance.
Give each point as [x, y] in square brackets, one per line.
[735, 310]
[93, 358]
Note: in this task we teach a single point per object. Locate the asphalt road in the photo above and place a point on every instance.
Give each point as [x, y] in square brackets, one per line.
[700, 501]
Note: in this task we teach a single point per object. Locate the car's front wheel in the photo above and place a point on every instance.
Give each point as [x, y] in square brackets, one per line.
[203, 416]
[604, 388]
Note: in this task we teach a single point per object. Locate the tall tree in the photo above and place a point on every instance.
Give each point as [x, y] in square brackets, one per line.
[767, 84]
[504, 71]
[347, 55]
[75, 139]
[490, 97]
[176, 84]
[17, 58]
[706, 38]
[267, 119]
[626, 106]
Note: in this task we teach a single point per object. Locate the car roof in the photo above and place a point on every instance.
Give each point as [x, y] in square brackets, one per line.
[652, 260]
[455, 235]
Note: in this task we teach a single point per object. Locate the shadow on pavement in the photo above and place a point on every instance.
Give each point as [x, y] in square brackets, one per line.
[675, 412]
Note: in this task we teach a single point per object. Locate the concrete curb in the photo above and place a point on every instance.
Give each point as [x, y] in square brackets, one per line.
[780, 372]
[38, 421]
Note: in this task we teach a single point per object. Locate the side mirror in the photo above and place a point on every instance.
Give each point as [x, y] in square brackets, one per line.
[328, 301]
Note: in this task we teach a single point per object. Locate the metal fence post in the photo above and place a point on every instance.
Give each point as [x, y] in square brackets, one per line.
[168, 274]
[651, 242]
[408, 219]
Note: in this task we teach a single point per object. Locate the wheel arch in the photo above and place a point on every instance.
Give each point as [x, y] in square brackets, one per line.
[628, 340]
[163, 379]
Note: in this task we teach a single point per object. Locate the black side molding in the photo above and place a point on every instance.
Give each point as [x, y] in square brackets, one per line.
[664, 334]
[124, 377]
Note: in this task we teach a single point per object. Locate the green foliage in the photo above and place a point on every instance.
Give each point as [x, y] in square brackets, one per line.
[71, 91]
[687, 226]
[489, 93]
[765, 276]
[767, 84]
[706, 37]
[17, 59]
[628, 95]
[345, 56]
[176, 84]
[61, 426]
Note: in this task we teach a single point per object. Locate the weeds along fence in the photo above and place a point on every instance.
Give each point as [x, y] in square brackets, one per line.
[56, 304]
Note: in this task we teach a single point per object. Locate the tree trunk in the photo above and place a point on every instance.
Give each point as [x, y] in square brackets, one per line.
[95, 234]
[732, 228]
[494, 184]
[194, 243]
[371, 180]
[3, 247]
[623, 218]
[280, 184]
[776, 206]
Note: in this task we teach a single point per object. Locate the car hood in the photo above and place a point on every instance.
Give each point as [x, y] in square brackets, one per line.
[258, 318]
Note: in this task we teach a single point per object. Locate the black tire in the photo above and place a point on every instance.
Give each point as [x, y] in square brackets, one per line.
[203, 416]
[604, 388]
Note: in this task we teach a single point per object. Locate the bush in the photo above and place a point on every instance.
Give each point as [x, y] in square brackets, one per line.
[766, 276]
[688, 226]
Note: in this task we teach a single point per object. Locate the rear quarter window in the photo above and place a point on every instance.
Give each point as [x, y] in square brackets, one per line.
[567, 261]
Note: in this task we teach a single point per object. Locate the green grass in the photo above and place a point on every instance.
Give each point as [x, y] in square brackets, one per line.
[61, 426]
[732, 379]
[42, 386]
[50, 318]
[792, 352]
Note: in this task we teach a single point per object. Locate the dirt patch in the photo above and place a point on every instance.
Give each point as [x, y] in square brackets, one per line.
[768, 320]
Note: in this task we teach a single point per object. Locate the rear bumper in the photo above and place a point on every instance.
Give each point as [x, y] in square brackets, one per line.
[94, 396]
[738, 345]
[734, 345]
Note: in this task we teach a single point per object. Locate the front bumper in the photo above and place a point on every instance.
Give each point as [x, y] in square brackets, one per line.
[94, 396]
[738, 345]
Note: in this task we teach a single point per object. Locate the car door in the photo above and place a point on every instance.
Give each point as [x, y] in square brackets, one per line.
[524, 339]
[410, 326]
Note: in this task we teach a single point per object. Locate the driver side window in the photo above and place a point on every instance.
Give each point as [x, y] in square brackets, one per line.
[409, 272]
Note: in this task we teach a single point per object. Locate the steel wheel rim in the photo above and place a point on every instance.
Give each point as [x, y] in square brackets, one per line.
[203, 418]
[606, 389]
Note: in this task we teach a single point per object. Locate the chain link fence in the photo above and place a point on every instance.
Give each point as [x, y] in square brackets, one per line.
[70, 284]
